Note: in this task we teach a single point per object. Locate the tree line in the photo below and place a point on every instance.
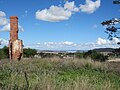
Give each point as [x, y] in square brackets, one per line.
[93, 54]
[27, 52]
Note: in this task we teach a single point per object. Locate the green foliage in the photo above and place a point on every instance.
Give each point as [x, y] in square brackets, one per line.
[99, 57]
[2, 55]
[47, 55]
[94, 55]
[70, 54]
[28, 52]
[79, 55]
[116, 52]
[4, 52]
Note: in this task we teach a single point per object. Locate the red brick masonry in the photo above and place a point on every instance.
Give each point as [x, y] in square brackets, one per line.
[15, 45]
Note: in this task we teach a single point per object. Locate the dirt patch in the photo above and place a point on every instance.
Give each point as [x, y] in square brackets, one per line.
[114, 60]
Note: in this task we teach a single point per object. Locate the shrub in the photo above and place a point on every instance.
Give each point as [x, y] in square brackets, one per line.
[28, 52]
[99, 57]
[79, 55]
[4, 52]
[94, 55]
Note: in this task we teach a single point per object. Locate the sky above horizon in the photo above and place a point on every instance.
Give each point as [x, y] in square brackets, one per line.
[59, 24]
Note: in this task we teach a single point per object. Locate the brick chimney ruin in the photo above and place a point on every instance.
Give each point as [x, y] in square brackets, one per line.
[15, 44]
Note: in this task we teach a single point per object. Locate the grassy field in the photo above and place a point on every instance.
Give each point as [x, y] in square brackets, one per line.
[59, 74]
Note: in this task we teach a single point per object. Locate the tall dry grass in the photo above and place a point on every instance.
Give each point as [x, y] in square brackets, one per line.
[58, 74]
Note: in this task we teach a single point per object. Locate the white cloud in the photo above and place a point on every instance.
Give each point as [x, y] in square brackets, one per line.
[7, 28]
[38, 43]
[115, 40]
[50, 44]
[3, 41]
[20, 28]
[90, 6]
[55, 45]
[59, 13]
[3, 21]
[101, 41]
[53, 14]
[2, 14]
[71, 6]
[68, 45]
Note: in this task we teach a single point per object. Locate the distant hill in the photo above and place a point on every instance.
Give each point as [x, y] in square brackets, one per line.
[104, 49]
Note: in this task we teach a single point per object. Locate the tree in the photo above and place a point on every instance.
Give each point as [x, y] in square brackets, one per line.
[94, 55]
[6, 51]
[28, 52]
[111, 29]
[89, 53]
[2, 55]
[99, 57]
[116, 52]
[116, 2]
[79, 54]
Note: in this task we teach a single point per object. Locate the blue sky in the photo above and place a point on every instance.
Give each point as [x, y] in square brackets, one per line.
[59, 24]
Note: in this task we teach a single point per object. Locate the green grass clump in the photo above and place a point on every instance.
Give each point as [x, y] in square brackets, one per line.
[49, 74]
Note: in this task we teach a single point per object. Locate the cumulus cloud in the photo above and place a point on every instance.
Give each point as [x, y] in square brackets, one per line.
[20, 28]
[3, 20]
[90, 6]
[59, 13]
[101, 41]
[4, 23]
[53, 14]
[3, 41]
[2, 14]
[50, 44]
[115, 40]
[7, 28]
[71, 6]
[53, 45]
[68, 45]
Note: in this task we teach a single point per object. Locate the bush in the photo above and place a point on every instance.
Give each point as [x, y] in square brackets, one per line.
[99, 57]
[116, 52]
[4, 52]
[2, 55]
[79, 55]
[94, 55]
[28, 52]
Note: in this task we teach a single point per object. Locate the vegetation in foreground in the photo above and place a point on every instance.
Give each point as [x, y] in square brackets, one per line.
[59, 74]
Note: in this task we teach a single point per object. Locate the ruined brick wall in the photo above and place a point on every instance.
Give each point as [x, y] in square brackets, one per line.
[13, 28]
[15, 45]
